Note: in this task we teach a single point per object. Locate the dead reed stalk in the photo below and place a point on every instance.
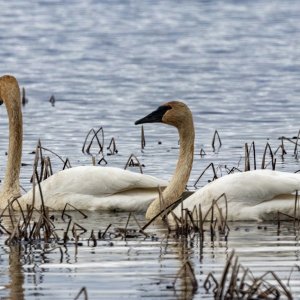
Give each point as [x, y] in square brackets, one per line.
[296, 144]
[273, 160]
[24, 99]
[143, 140]
[133, 162]
[212, 166]
[87, 144]
[283, 151]
[216, 136]
[83, 292]
[33, 224]
[202, 152]
[247, 156]
[237, 282]
[112, 147]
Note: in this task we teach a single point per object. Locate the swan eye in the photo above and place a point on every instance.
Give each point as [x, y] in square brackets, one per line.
[1, 101]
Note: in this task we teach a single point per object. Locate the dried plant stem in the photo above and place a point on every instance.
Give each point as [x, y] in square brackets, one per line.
[214, 172]
[83, 292]
[216, 135]
[133, 162]
[112, 147]
[86, 147]
[273, 160]
[143, 140]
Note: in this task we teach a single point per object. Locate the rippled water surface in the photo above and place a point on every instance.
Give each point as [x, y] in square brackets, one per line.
[108, 63]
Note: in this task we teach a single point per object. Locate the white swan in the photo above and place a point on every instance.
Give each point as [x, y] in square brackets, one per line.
[252, 195]
[85, 187]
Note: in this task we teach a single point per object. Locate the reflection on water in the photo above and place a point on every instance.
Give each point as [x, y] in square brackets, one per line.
[15, 286]
[142, 266]
[108, 63]
[139, 266]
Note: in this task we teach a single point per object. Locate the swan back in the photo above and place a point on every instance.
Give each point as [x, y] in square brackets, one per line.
[249, 195]
[97, 188]
[98, 181]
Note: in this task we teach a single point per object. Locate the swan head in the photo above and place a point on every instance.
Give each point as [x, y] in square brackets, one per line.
[175, 113]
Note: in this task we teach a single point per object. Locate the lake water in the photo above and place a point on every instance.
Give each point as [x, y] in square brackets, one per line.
[109, 63]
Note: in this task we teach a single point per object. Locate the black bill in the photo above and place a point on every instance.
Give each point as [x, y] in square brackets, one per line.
[155, 116]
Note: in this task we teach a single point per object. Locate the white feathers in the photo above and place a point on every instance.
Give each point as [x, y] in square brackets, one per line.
[253, 195]
[97, 188]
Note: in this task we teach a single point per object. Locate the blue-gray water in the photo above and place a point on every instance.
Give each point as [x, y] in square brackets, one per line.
[108, 63]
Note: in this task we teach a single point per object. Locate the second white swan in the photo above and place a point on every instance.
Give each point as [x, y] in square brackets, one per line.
[253, 195]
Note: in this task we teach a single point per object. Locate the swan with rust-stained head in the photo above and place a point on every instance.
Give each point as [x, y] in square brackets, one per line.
[177, 114]
[85, 187]
[252, 195]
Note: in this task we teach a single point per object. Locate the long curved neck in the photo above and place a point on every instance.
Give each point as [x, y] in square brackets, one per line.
[182, 172]
[11, 95]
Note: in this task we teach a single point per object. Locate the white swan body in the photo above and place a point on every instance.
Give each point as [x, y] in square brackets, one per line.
[97, 188]
[253, 195]
[88, 187]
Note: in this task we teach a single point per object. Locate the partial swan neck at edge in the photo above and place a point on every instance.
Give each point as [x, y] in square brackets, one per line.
[182, 172]
[10, 94]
